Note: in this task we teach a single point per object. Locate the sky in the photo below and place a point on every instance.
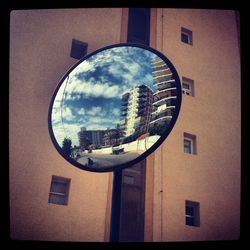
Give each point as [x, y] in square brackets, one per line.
[90, 95]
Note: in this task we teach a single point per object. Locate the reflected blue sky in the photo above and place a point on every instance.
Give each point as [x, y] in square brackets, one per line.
[91, 96]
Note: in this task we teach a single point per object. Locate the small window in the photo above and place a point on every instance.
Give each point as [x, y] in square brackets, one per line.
[187, 86]
[186, 36]
[192, 213]
[189, 143]
[59, 190]
[78, 49]
[128, 179]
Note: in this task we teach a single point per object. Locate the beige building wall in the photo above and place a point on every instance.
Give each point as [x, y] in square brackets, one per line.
[40, 43]
[212, 176]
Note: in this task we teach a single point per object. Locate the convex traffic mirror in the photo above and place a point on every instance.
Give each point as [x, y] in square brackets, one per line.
[114, 107]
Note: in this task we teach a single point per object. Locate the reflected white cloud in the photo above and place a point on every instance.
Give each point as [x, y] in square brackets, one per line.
[94, 111]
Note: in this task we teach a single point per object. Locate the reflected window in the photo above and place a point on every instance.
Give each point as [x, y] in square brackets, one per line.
[186, 36]
[59, 190]
[192, 213]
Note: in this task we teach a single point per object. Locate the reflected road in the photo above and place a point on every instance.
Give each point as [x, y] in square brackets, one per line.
[107, 160]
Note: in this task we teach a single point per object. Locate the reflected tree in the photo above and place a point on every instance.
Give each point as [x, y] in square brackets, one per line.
[67, 146]
[157, 129]
[85, 143]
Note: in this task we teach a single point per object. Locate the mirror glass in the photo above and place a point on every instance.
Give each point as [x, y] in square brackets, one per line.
[114, 107]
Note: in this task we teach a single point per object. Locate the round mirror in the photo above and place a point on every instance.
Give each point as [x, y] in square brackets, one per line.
[114, 107]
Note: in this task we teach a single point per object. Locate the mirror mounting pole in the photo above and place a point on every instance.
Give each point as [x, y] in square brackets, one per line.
[116, 205]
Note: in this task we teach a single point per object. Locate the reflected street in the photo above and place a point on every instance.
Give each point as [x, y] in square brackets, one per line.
[107, 160]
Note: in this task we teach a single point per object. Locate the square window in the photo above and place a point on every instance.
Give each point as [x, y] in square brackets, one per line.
[189, 143]
[78, 49]
[186, 36]
[187, 86]
[59, 190]
[192, 213]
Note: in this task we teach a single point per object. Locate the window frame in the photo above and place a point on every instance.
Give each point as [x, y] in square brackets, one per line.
[193, 143]
[191, 149]
[189, 34]
[190, 83]
[63, 195]
[78, 49]
[134, 22]
[196, 213]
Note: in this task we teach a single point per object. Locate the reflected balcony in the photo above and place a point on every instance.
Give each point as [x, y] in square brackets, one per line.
[167, 103]
[124, 108]
[167, 111]
[165, 84]
[165, 93]
[163, 100]
[124, 113]
[124, 103]
[159, 67]
[141, 106]
[143, 95]
[125, 97]
[167, 114]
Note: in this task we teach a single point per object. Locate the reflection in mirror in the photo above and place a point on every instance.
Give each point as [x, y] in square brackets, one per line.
[112, 107]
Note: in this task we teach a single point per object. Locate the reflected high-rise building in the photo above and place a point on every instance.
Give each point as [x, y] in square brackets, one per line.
[93, 136]
[136, 110]
[164, 98]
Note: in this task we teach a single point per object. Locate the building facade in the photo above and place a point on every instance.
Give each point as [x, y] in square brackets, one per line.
[92, 136]
[111, 137]
[178, 192]
[164, 97]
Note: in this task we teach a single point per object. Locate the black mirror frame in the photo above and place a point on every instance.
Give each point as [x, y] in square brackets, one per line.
[157, 143]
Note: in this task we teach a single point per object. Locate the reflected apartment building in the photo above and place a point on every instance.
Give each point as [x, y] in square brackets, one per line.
[136, 108]
[98, 138]
[164, 97]
[188, 189]
[92, 136]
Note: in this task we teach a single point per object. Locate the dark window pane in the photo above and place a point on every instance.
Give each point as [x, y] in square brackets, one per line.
[184, 38]
[78, 49]
[139, 25]
[185, 86]
[187, 146]
[58, 199]
[190, 221]
[59, 187]
[189, 210]
[192, 211]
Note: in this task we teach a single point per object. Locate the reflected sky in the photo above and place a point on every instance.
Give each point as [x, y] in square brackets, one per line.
[91, 95]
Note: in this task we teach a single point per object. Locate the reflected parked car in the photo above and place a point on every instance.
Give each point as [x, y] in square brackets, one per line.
[117, 150]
